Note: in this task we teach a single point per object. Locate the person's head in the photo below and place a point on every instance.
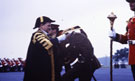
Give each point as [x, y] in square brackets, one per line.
[54, 28]
[43, 23]
[131, 4]
[60, 32]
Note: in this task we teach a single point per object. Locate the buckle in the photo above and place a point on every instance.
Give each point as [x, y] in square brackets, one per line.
[131, 42]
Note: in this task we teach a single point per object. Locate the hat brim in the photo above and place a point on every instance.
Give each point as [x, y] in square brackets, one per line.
[46, 19]
[51, 21]
[54, 26]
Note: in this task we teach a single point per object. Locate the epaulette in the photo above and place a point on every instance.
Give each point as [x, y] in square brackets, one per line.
[132, 20]
[42, 39]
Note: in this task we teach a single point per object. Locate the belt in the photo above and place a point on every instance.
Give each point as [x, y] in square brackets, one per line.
[131, 42]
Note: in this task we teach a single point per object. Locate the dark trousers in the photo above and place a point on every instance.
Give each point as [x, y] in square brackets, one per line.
[80, 70]
[133, 71]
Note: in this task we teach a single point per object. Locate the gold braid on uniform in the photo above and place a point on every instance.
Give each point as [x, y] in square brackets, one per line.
[44, 40]
[50, 52]
[71, 29]
[41, 19]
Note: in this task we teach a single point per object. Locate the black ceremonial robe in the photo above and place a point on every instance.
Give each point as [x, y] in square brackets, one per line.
[39, 61]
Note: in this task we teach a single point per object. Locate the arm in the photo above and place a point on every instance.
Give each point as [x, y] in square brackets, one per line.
[119, 37]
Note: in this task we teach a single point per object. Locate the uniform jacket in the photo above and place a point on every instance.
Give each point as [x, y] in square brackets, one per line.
[81, 47]
[39, 61]
[130, 35]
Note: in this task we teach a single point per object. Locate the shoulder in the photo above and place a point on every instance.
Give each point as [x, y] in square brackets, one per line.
[39, 34]
[40, 38]
[132, 20]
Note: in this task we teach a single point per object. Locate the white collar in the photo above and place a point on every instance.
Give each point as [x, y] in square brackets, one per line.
[44, 32]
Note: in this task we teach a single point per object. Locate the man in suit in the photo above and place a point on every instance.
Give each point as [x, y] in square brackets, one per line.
[54, 30]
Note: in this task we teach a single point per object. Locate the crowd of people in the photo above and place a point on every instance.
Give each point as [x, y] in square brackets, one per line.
[11, 65]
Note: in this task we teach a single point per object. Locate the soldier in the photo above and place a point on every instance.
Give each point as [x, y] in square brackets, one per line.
[40, 58]
[81, 48]
[22, 64]
[128, 38]
[54, 30]
[6, 66]
[18, 65]
[1, 66]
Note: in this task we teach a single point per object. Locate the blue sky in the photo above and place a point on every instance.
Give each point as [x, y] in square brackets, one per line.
[18, 18]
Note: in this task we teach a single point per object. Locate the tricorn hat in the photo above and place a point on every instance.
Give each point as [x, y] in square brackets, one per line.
[130, 0]
[42, 20]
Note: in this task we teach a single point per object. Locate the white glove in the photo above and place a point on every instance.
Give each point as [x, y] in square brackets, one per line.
[61, 38]
[112, 34]
[134, 42]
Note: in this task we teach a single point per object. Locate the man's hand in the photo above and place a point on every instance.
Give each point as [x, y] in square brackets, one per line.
[61, 38]
[112, 34]
[64, 37]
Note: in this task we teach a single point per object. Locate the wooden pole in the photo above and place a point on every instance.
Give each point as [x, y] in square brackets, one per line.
[111, 50]
[111, 17]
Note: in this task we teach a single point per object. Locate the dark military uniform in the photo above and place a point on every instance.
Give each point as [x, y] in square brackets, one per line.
[39, 61]
[81, 48]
